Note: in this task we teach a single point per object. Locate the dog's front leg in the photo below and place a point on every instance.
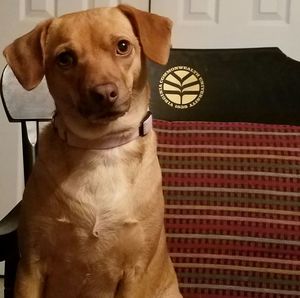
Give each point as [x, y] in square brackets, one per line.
[30, 280]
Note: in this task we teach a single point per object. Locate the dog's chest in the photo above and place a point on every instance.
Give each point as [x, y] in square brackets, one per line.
[102, 203]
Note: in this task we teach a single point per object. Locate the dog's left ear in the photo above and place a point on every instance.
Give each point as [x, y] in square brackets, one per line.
[25, 56]
[153, 31]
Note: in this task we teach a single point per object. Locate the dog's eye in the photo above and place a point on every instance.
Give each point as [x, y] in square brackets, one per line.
[123, 47]
[65, 59]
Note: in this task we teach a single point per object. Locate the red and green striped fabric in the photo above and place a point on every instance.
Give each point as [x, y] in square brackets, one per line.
[232, 193]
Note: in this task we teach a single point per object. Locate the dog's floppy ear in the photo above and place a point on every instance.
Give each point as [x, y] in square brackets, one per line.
[154, 33]
[25, 56]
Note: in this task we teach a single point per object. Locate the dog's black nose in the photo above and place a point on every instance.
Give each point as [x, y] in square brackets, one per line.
[105, 93]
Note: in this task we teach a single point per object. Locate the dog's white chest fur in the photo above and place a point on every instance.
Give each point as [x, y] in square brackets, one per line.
[101, 197]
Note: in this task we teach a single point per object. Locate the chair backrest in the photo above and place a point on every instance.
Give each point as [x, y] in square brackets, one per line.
[27, 107]
[22, 105]
[251, 85]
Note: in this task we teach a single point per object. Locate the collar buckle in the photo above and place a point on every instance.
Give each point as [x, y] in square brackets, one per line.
[146, 124]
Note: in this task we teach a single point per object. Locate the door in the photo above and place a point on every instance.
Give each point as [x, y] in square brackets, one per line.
[234, 23]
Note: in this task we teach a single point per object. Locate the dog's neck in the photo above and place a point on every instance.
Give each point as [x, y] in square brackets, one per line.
[108, 142]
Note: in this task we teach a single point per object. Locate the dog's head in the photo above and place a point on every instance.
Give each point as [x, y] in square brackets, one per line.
[93, 61]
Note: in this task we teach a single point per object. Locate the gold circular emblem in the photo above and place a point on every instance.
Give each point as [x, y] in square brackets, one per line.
[181, 87]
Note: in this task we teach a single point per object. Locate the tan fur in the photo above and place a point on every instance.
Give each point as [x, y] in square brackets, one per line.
[92, 220]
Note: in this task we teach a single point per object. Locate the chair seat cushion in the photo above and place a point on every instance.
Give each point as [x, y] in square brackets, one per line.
[232, 195]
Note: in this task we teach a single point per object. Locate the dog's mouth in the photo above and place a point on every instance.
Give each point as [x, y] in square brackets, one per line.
[102, 115]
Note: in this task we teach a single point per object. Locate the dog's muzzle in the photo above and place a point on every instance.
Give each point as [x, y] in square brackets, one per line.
[104, 101]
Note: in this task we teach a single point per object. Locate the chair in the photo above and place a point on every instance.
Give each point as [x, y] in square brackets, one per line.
[228, 142]
[29, 109]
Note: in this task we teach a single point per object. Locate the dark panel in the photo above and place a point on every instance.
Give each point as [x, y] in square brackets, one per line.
[246, 85]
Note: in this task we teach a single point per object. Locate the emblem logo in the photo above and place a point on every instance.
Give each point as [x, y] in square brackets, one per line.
[181, 87]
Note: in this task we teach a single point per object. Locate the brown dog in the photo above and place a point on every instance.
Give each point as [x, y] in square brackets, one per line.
[92, 212]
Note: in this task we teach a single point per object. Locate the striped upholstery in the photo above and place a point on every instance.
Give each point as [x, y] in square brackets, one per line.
[232, 194]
